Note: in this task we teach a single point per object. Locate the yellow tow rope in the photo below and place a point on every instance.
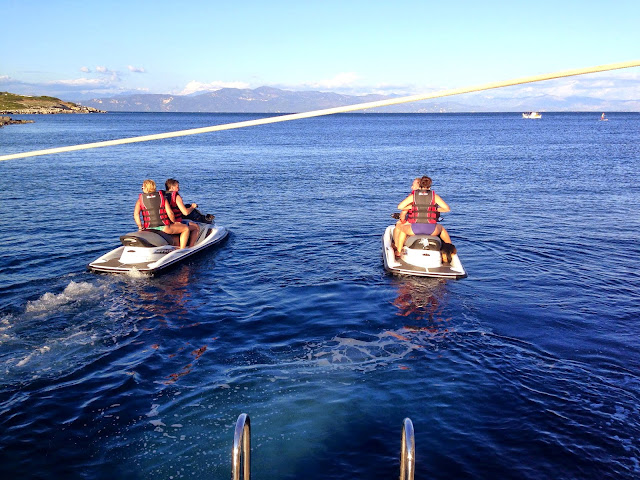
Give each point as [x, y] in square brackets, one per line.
[327, 111]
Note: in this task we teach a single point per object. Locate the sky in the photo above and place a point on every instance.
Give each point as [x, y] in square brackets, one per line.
[82, 49]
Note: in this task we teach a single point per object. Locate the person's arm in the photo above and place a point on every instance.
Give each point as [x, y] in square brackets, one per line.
[167, 208]
[136, 214]
[185, 211]
[442, 205]
[406, 203]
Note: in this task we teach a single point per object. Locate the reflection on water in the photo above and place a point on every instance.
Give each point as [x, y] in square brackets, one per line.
[166, 297]
[421, 300]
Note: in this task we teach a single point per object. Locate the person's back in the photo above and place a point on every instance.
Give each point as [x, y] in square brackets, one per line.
[152, 207]
[424, 208]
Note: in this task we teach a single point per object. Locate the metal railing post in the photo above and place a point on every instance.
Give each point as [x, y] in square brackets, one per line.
[242, 436]
[408, 451]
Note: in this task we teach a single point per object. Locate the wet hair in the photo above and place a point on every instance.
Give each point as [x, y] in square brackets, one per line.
[425, 183]
[149, 186]
[448, 250]
[171, 182]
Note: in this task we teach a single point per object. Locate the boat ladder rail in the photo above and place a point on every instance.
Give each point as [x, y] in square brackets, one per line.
[241, 448]
[241, 453]
[407, 451]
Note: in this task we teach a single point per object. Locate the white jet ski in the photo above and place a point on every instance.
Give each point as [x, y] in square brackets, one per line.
[149, 251]
[420, 256]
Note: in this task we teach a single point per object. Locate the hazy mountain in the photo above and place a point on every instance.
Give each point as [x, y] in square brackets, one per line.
[274, 100]
[259, 100]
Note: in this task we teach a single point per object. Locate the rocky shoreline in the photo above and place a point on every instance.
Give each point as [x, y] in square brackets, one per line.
[10, 121]
[51, 110]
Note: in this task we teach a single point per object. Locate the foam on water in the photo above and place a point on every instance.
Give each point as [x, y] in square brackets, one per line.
[73, 293]
[36, 344]
[135, 273]
[363, 354]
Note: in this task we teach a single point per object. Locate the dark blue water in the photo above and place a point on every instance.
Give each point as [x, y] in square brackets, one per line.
[527, 369]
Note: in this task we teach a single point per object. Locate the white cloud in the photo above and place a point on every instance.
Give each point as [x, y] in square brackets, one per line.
[83, 82]
[341, 80]
[563, 89]
[4, 78]
[195, 86]
[396, 89]
[136, 69]
[597, 88]
[85, 70]
[102, 69]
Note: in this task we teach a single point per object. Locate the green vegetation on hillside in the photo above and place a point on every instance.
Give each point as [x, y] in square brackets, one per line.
[11, 101]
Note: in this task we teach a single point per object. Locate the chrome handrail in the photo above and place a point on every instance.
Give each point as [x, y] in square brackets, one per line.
[408, 452]
[242, 435]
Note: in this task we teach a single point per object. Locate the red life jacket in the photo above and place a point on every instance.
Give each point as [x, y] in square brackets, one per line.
[171, 197]
[424, 208]
[152, 208]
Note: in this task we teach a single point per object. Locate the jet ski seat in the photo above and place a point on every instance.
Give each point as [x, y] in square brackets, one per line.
[423, 242]
[149, 238]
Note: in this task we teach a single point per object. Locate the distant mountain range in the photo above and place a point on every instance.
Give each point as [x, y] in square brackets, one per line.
[274, 100]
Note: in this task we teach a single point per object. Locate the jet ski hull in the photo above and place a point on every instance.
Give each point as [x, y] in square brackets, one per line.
[421, 257]
[151, 257]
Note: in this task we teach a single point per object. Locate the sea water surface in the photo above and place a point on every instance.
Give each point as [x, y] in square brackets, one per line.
[527, 369]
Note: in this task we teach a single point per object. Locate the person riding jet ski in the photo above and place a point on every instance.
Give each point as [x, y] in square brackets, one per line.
[180, 209]
[425, 206]
[155, 214]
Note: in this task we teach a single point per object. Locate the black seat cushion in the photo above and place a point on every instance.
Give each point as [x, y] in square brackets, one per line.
[149, 238]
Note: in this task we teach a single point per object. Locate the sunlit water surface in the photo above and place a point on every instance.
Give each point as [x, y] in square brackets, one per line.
[527, 369]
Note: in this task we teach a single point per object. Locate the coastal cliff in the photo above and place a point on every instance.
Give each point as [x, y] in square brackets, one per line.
[12, 104]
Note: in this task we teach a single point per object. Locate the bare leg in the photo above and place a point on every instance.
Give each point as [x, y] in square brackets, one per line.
[402, 236]
[194, 231]
[184, 237]
[399, 223]
[444, 235]
[179, 229]
[396, 232]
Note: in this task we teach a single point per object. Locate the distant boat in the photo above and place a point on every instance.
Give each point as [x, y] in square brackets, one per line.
[531, 115]
[602, 119]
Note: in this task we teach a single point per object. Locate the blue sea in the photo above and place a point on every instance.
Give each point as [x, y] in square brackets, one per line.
[527, 369]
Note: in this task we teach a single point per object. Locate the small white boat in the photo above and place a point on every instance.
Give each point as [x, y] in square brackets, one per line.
[149, 251]
[420, 256]
[531, 115]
